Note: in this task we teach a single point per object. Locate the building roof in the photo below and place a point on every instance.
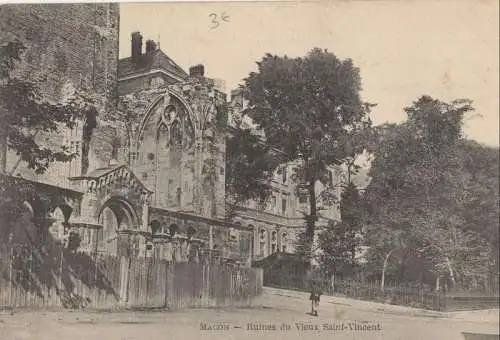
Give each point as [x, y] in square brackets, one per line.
[148, 62]
[97, 173]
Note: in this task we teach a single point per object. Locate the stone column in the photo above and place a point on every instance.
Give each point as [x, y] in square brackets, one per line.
[210, 237]
[219, 186]
[256, 242]
[89, 207]
[145, 211]
[197, 180]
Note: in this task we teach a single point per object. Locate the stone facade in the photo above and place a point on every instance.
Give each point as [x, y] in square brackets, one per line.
[150, 177]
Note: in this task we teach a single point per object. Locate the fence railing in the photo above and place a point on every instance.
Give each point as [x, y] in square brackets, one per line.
[392, 293]
[81, 281]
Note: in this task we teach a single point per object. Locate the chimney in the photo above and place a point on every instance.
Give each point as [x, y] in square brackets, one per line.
[197, 71]
[150, 46]
[136, 45]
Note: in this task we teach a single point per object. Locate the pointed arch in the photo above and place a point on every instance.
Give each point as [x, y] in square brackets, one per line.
[66, 211]
[29, 208]
[163, 138]
[150, 111]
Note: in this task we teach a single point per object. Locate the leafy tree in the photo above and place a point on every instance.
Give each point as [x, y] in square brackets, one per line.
[340, 241]
[249, 168]
[25, 112]
[481, 211]
[308, 108]
[421, 190]
[338, 244]
[351, 207]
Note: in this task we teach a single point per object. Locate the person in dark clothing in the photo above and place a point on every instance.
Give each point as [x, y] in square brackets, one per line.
[314, 297]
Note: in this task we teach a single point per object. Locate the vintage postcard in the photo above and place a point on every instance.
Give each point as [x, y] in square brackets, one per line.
[249, 169]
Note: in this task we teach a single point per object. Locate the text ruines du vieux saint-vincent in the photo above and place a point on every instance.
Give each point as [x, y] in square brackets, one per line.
[299, 326]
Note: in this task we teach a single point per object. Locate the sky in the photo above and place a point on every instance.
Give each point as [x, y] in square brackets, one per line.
[447, 49]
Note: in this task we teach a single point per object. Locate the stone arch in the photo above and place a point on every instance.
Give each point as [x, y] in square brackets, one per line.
[155, 226]
[65, 210]
[191, 231]
[116, 214]
[107, 236]
[163, 137]
[124, 211]
[284, 241]
[263, 241]
[56, 228]
[29, 207]
[23, 229]
[38, 208]
[173, 229]
[274, 236]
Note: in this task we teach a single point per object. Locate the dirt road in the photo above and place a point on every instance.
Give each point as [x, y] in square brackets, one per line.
[279, 314]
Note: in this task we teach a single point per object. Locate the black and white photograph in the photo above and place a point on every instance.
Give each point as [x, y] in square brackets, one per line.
[249, 170]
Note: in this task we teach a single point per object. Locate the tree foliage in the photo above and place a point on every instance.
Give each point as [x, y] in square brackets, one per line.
[424, 196]
[25, 112]
[249, 168]
[309, 108]
[339, 242]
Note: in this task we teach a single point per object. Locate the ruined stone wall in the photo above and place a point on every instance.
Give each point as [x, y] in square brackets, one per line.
[189, 174]
[74, 46]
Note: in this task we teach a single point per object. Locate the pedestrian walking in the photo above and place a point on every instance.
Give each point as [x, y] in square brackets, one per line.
[315, 297]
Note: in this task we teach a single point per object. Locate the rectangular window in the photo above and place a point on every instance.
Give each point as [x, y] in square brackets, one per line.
[284, 174]
[330, 177]
[273, 203]
[302, 197]
[178, 196]
[283, 206]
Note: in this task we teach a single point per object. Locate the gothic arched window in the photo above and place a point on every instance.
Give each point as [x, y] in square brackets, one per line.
[176, 135]
[163, 138]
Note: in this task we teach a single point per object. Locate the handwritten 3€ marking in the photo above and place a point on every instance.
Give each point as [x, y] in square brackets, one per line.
[218, 19]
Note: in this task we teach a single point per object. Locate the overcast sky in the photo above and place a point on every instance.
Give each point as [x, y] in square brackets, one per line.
[447, 49]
